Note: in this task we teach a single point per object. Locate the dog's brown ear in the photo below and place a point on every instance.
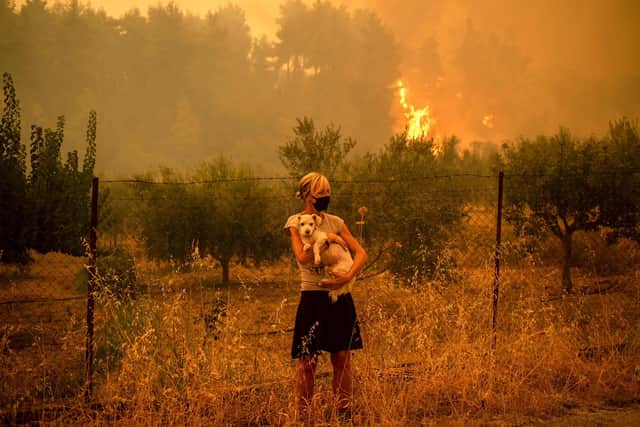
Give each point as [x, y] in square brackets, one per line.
[317, 219]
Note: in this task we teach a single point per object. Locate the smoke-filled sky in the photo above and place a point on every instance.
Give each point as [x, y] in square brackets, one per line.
[602, 34]
[491, 69]
[575, 62]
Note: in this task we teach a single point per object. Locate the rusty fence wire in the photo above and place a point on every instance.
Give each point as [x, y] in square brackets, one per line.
[42, 333]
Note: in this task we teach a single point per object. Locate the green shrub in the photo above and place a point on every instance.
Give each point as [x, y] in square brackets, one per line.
[124, 321]
[115, 272]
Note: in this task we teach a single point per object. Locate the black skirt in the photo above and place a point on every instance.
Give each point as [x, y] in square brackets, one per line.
[325, 326]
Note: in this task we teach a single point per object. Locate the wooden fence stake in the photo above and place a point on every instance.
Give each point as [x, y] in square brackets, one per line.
[496, 277]
[91, 285]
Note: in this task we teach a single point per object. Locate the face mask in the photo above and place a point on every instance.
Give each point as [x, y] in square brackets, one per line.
[322, 203]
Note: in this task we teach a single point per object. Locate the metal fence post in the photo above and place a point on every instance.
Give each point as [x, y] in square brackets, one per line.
[91, 277]
[496, 277]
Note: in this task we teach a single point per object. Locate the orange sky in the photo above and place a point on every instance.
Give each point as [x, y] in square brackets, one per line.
[260, 13]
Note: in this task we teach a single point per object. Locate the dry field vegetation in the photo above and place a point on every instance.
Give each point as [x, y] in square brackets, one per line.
[190, 351]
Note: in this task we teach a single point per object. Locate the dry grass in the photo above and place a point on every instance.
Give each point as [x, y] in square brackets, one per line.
[189, 351]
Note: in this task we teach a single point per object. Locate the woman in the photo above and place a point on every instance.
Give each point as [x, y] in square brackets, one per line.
[320, 324]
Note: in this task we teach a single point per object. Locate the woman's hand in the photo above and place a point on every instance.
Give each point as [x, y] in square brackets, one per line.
[337, 280]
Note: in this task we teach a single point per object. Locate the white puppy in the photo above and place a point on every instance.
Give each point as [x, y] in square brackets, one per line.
[336, 257]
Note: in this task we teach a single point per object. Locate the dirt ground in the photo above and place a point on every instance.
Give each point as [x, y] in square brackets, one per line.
[596, 417]
[614, 416]
[624, 415]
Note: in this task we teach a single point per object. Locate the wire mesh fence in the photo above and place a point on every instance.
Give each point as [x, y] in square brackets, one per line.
[163, 242]
[43, 330]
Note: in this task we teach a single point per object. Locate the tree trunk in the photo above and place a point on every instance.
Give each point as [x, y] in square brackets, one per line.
[225, 271]
[566, 263]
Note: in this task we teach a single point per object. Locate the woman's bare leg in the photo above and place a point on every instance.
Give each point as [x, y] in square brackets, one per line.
[305, 371]
[342, 380]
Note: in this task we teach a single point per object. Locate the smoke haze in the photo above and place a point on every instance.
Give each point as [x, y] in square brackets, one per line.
[533, 65]
[488, 70]
[579, 63]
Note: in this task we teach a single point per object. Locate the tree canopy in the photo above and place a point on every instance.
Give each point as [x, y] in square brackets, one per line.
[35, 204]
[224, 213]
[309, 150]
[412, 212]
[175, 88]
[563, 184]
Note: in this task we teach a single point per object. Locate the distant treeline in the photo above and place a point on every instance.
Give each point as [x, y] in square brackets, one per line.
[417, 192]
[417, 197]
[173, 88]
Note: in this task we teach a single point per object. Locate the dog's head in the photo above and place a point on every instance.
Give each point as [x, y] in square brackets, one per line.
[308, 223]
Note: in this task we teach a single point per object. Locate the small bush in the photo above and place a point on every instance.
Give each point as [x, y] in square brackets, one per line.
[124, 321]
[592, 252]
[213, 317]
[116, 274]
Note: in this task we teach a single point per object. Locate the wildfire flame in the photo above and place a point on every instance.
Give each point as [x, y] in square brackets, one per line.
[487, 121]
[419, 121]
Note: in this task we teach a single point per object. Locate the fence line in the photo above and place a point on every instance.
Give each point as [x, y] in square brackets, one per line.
[41, 300]
[611, 172]
[94, 205]
[343, 194]
[496, 280]
[92, 258]
[91, 287]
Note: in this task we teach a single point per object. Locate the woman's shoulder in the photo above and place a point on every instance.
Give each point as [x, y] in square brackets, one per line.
[334, 222]
[333, 217]
[292, 221]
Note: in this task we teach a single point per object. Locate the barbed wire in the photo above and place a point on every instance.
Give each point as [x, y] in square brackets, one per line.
[391, 180]
[211, 181]
[41, 300]
[448, 192]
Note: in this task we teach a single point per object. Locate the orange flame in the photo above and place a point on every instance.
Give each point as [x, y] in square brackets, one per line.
[419, 121]
[487, 121]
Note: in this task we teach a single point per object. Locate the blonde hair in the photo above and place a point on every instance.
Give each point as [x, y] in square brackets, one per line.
[313, 182]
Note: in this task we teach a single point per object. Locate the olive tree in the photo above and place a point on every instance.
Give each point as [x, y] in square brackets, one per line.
[311, 149]
[563, 184]
[221, 209]
[412, 210]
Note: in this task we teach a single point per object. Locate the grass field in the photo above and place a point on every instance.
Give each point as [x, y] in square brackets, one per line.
[188, 350]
